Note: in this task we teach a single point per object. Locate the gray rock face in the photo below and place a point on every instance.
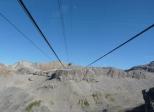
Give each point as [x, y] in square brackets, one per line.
[137, 74]
[90, 74]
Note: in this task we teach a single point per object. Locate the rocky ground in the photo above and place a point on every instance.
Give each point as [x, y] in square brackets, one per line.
[32, 87]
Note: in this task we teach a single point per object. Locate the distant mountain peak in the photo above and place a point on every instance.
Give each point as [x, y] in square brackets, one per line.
[151, 63]
[147, 67]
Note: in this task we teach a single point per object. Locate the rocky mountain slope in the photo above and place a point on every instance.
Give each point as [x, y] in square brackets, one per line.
[148, 67]
[32, 87]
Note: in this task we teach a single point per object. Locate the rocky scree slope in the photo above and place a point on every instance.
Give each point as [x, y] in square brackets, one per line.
[33, 87]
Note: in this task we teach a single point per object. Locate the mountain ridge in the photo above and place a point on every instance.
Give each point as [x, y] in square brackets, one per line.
[39, 68]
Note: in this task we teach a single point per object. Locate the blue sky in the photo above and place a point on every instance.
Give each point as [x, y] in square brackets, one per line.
[96, 27]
